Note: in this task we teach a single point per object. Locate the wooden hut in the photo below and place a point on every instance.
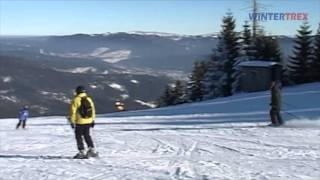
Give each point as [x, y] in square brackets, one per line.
[257, 75]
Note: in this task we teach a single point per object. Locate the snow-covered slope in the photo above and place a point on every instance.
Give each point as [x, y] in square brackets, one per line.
[298, 102]
[196, 141]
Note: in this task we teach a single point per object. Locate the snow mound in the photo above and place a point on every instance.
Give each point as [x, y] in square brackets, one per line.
[6, 79]
[117, 86]
[134, 81]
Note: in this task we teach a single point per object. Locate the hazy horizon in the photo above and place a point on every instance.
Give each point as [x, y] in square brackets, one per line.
[129, 32]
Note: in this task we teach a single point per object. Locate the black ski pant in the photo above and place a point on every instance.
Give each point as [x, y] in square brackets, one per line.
[23, 122]
[275, 116]
[83, 131]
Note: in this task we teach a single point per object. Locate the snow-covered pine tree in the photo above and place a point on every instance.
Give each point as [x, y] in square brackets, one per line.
[316, 57]
[178, 93]
[247, 41]
[173, 94]
[230, 52]
[267, 48]
[299, 62]
[212, 77]
[286, 77]
[258, 42]
[167, 98]
[195, 88]
[246, 53]
[272, 50]
[237, 73]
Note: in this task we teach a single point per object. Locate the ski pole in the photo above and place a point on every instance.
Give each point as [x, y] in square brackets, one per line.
[290, 105]
[94, 139]
[292, 115]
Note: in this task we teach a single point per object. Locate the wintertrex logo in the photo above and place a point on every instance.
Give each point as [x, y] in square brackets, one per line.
[275, 16]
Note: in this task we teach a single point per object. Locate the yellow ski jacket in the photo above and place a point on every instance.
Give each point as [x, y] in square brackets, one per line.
[75, 117]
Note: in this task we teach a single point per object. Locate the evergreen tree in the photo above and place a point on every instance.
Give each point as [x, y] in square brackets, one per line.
[267, 48]
[195, 89]
[271, 50]
[246, 38]
[228, 52]
[174, 94]
[299, 63]
[237, 73]
[246, 53]
[259, 44]
[247, 42]
[316, 57]
[211, 82]
[178, 93]
[167, 98]
[286, 77]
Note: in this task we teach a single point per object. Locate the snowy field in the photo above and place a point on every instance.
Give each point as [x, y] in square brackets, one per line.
[220, 139]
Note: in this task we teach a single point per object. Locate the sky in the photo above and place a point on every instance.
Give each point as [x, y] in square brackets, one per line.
[190, 17]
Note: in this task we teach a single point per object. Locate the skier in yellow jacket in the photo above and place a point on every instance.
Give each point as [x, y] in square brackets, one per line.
[82, 116]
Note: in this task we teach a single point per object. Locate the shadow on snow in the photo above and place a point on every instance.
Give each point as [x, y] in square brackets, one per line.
[51, 157]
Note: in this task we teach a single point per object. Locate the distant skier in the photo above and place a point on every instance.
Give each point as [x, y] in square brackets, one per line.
[23, 116]
[119, 106]
[82, 115]
[276, 119]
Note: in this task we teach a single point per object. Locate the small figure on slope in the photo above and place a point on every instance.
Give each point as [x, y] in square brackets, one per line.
[119, 106]
[23, 116]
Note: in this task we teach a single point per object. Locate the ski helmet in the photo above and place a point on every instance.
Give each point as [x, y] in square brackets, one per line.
[80, 89]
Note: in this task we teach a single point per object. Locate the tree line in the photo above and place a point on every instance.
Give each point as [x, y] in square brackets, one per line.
[219, 75]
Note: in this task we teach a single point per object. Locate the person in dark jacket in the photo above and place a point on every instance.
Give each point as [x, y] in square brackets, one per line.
[82, 116]
[276, 119]
[23, 116]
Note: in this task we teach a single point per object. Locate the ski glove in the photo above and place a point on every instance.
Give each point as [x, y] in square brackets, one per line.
[92, 124]
[72, 125]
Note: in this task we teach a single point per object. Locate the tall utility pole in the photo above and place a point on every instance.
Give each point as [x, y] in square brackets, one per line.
[255, 21]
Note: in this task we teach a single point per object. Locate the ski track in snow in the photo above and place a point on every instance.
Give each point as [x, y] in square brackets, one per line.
[144, 151]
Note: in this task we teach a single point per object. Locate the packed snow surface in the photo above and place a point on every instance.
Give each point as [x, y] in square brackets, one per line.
[219, 139]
